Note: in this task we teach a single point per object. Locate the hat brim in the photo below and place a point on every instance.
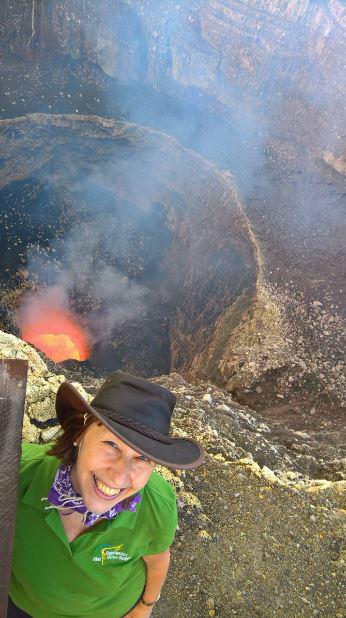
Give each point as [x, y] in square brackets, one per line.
[182, 454]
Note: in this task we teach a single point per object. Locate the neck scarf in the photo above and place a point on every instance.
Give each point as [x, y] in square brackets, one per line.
[62, 495]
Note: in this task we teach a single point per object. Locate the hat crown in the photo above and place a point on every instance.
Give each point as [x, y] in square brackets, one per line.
[136, 399]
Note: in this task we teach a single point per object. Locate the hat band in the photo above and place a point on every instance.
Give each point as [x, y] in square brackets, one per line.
[144, 429]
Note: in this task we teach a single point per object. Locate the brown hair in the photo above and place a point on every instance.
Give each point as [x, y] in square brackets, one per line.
[72, 428]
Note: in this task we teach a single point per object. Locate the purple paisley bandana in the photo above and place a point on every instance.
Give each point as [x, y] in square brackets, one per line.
[62, 495]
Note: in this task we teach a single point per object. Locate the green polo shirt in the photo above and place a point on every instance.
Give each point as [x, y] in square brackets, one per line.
[101, 573]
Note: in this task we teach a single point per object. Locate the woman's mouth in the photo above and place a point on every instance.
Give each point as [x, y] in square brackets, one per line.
[105, 491]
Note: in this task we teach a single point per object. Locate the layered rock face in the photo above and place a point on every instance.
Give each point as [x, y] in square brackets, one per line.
[244, 55]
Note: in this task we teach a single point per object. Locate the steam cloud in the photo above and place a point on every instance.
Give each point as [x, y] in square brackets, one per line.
[78, 271]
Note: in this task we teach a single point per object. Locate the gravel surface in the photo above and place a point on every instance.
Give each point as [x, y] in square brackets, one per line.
[251, 541]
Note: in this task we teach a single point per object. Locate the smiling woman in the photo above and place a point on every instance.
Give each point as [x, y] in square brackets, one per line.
[107, 470]
[99, 518]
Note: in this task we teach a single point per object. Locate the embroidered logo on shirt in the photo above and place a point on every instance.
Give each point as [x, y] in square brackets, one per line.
[110, 553]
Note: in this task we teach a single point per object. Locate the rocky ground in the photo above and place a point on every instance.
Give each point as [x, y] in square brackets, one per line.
[306, 392]
[258, 536]
[262, 523]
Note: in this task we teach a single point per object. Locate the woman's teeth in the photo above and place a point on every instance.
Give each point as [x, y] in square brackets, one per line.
[108, 491]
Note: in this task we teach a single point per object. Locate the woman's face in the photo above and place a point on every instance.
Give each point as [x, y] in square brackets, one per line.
[107, 471]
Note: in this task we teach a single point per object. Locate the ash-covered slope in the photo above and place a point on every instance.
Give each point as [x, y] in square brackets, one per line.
[261, 523]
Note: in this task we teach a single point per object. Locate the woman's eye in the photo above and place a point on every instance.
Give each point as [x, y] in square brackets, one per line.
[110, 443]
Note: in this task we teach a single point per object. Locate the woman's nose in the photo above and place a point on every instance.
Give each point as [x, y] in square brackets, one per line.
[120, 474]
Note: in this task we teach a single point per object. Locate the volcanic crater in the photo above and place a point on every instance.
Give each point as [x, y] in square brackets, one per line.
[142, 241]
[176, 279]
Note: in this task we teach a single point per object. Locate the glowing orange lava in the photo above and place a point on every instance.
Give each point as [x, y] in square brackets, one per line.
[57, 334]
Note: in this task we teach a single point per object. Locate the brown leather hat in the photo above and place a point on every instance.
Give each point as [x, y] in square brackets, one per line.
[139, 413]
